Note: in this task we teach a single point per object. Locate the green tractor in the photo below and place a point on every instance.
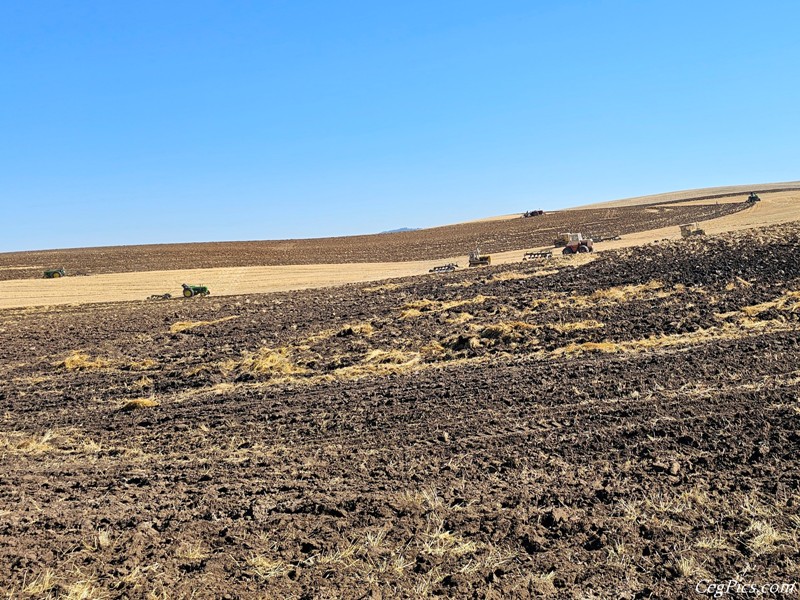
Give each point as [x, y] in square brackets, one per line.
[194, 290]
[55, 273]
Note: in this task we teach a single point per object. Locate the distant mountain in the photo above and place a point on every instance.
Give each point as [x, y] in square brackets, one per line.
[401, 230]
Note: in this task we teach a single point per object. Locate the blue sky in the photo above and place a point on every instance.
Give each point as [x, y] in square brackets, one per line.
[140, 122]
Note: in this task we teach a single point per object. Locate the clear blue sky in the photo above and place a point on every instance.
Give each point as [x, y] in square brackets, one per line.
[135, 122]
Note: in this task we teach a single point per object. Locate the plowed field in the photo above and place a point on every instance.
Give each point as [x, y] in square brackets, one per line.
[423, 244]
[625, 428]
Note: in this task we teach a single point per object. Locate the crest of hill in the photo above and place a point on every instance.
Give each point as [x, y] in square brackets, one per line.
[711, 193]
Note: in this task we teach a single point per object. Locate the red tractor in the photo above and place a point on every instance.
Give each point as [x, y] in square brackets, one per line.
[574, 243]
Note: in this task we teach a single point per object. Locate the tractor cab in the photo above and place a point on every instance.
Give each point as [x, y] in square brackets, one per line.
[574, 243]
[476, 259]
[690, 230]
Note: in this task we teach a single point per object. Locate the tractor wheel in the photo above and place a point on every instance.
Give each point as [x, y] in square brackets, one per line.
[583, 248]
[567, 251]
[187, 293]
[56, 275]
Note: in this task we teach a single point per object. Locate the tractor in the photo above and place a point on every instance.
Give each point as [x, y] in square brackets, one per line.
[574, 243]
[194, 290]
[55, 273]
[476, 259]
[690, 230]
[532, 213]
[753, 198]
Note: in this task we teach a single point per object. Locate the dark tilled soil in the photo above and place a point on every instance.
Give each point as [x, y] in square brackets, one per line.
[624, 429]
[438, 242]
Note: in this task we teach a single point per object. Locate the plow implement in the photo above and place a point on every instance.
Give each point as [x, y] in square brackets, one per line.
[537, 255]
[444, 268]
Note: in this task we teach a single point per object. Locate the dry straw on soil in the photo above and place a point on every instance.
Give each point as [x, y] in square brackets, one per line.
[394, 357]
[58, 441]
[626, 293]
[419, 307]
[31, 444]
[578, 325]
[378, 363]
[272, 363]
[79, 361]
[138, 404]
[364, 329]
[146, 364]
[787, 302]
[186, 325]
[737, 324]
